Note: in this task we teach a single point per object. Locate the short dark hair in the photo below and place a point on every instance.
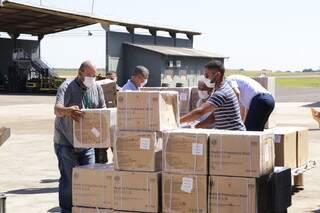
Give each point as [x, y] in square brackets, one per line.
[141, 70]
[215, 65]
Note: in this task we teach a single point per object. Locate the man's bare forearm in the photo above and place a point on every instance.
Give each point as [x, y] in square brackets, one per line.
[191, 116]
[61, 111]
[206, 122]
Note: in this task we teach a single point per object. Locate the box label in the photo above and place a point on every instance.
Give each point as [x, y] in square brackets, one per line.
[95, 132]
[183, 96]
[278, 138]
[197, 149]
[144, 143]
[187, 184]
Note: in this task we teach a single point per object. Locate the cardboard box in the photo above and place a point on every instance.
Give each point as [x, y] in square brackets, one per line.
[241, 153]
[92, 186]
[109, 88]
[237, 194]
[185, 151]
[184, 193]
[138, 151]
[269, 83]
[90, 210]
[96, 129]
[285, 146]
[184, 96]
[302, 146]
[148, 110]
[137, 191]
[194, 98]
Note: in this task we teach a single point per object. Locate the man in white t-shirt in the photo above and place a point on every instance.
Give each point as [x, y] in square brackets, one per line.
[256, 102]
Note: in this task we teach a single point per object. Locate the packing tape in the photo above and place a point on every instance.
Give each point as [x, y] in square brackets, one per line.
[126, 103]
[121, 191]
[100, 110]
[250, 161]
[170, 195]
[165, 150]
[148, 193]
[248, 200]
[81, 132]
[149, 110]
[221, 152]
[197, 194]
[195, 157]
[217, 197]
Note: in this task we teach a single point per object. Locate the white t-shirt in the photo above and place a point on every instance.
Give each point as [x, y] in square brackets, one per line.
[248, 88]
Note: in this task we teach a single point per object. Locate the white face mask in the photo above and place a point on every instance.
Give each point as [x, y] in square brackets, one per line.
[203, 94]
[89, 81]
[144, 83]
[208, 83]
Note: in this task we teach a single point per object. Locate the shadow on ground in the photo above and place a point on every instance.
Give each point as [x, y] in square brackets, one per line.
[49, 180]
[315, 104]
[54, 209]
[34, 191]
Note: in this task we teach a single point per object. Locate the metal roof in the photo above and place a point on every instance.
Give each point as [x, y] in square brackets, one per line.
[40, 20]
[177, 51]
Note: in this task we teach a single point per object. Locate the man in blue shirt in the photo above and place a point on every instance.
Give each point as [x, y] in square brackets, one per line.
[139, 78]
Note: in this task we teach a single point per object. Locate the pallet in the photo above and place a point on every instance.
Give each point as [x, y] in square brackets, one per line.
[297, 173]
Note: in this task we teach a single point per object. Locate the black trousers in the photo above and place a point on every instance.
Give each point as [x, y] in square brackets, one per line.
[259, 111]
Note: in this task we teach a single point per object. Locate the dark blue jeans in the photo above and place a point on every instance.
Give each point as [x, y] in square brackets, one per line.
[69, 157]
[259, 111]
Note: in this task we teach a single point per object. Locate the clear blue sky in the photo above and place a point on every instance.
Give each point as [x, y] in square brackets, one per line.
[273, 34]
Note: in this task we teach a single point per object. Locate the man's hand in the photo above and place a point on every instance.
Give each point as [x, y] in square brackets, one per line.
[75, 113]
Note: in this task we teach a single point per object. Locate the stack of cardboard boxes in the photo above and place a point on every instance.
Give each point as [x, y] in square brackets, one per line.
[142, 116]
[185, 170]
[239, 165]
[92, 185]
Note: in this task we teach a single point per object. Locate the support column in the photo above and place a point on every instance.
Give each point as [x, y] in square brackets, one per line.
[131, 31]
[107, 30]
[40, 37]
[153, 32]
[174, 37]
[190, 37]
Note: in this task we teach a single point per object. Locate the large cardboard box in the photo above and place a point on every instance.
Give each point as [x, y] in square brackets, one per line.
[302, 146]
[92, 186]
[90, 210]
[148, 110]
[238, 194]
[184, 96]
[96, 129]
[137, 191]
[241, 153]
[138, 151]
[184, 193]
[285, 146]
[109, 88]
[185, 151]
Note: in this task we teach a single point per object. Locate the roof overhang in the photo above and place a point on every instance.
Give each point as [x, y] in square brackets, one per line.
[16, 18]
[177, 51]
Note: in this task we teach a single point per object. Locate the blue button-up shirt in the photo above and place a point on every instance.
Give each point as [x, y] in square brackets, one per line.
[129, 86]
